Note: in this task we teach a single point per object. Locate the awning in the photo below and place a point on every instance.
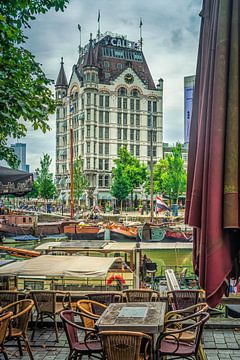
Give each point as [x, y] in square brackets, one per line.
[62, 266]
[15, 182]
[104, 196]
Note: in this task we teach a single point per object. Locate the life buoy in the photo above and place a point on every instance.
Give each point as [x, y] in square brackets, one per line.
[116, 277]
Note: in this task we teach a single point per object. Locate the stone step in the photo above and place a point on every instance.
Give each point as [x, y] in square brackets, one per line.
[222, 323]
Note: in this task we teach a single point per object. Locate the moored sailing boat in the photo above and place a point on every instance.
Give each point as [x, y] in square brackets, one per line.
[166, 232]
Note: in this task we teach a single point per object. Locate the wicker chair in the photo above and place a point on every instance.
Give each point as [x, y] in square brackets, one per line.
[181, 299]
[174, 340]
[92, 308]
[22, 310]
[176, 314]
[188, 336]
[126, 345]
[46, 306]
[4, 322]
[81, 340]
[140, 295]
[8, 297]
[105, 298]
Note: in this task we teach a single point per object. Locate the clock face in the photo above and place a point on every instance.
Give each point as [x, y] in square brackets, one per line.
[129, 78]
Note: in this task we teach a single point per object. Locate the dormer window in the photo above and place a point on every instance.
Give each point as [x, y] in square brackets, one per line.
[106, 64]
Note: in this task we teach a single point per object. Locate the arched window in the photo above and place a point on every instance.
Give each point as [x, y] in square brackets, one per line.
[122, 98]
[122, 92]
[135, 100]
[135, 93]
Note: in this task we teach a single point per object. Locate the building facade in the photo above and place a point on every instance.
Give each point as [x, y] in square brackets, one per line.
[110, 101]
[20, 151]
[189, 85]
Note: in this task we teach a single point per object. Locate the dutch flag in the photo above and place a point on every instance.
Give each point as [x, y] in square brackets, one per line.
[160, 205]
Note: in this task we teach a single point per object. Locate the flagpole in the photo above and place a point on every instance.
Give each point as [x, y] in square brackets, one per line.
[71, 168]
[140, 33]
[98, 33]
[71, 175]
[80, 39]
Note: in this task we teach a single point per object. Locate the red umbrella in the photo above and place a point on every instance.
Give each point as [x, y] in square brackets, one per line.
[212, 203]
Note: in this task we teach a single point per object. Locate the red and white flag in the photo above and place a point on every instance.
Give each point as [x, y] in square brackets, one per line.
[160, 205]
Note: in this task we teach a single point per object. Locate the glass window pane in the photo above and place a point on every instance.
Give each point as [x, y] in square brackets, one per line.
[106, 117]
[101, 100]
[119, 118]
[101, 116]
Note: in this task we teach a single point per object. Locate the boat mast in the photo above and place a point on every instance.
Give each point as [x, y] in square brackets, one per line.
[71, 175]
[151, 164]
[71, 166]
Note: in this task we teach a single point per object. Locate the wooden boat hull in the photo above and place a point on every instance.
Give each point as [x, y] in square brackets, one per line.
[41, 229]
[178, 236]
[119, 234]
[81, 232]
[157, 233]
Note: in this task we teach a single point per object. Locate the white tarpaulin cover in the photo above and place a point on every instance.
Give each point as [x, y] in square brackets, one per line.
[63, 266]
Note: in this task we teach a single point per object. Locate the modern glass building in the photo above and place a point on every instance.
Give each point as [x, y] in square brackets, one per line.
[189, 85]
[20, 151]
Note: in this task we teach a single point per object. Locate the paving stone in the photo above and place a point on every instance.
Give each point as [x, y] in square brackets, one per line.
[209, 345]
[218, 344]
[232, 345]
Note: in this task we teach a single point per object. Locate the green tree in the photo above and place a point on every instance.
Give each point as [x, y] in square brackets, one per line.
[171, 175]
[120, 187]
[34, 193]
[135, 171]
[158, 170]
[80, 181]
[25, 95]
[44, 183]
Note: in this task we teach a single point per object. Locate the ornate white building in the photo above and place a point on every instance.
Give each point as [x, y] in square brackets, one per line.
[110, 101]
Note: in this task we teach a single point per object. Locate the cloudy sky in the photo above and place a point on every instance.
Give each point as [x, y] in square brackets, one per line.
[170, 43]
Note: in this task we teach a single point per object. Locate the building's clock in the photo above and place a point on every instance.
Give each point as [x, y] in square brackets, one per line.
[129, 78]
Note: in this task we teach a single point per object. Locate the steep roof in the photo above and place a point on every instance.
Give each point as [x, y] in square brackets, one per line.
[90, 58]
[62, 79]
[112, 56]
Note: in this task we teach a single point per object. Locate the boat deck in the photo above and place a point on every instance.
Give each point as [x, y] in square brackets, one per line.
[115, 246]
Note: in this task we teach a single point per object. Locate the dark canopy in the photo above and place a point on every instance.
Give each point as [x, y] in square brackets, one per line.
[15, 182]
[213, 196]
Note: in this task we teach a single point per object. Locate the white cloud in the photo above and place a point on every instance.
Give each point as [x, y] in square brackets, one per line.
[170, 34]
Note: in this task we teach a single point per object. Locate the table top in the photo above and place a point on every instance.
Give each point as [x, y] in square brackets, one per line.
[147, 317]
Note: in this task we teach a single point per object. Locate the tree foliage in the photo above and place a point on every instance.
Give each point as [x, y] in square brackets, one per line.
[170, 175]
[25, 96]
[44, 183]
[80, 182]
[159, 168]
[121, 187]
[34, 192]
[130, 166]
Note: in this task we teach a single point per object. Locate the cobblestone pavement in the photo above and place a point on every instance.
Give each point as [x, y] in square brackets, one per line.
[218, 344]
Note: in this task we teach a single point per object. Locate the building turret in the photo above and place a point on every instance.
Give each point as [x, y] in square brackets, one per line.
[62, 83]
[90, 67]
